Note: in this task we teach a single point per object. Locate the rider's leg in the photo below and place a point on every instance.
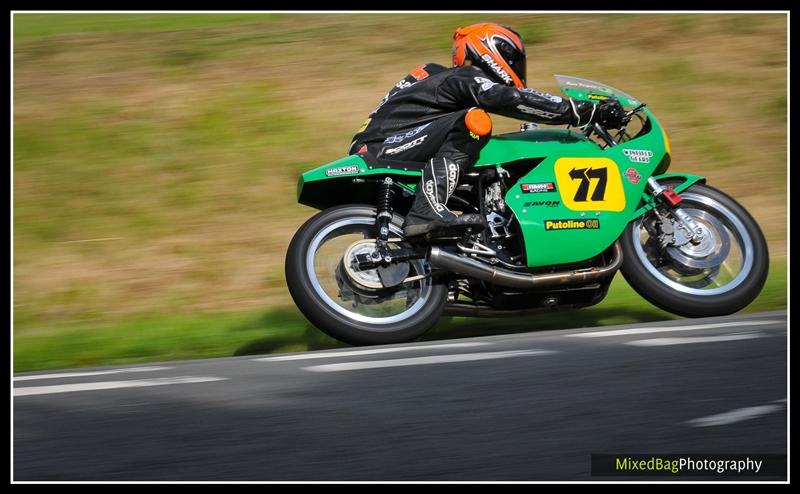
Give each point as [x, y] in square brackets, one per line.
[449, 145]
[459, 149]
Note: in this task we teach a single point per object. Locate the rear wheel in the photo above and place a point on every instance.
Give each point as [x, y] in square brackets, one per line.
[352, 305]
[720, 274]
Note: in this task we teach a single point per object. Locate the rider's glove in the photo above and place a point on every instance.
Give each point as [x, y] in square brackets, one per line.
[583, 113]
[610, 114]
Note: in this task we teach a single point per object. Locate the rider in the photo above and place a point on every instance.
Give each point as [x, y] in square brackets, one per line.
[436, 115]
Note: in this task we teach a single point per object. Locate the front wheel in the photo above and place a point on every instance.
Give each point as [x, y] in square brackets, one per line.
[719, 275]
[351, 305]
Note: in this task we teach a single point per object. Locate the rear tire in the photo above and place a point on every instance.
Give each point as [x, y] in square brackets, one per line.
[425, 299]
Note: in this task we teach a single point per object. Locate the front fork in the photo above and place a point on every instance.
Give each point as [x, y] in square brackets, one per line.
[664, 201]
[671, 199]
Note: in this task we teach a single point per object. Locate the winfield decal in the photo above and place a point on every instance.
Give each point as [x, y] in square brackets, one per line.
[588, 224]
[540, 187]
[632, 175]
[638, 155]
[342, 170]
[550, 204]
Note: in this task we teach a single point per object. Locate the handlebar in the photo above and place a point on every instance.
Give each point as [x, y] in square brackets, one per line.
[603, 133]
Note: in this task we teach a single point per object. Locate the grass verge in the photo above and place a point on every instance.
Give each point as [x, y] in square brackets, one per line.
[284, 329]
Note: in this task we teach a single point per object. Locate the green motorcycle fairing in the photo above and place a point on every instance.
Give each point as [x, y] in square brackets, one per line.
[332, 184]
[573, 199]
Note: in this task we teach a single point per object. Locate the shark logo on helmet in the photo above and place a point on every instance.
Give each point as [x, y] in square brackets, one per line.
[497, 68]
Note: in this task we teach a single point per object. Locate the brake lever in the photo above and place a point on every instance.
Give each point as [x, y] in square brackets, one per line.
[635, 110]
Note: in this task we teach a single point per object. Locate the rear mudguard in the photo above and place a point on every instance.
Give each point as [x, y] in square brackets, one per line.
[333, 184]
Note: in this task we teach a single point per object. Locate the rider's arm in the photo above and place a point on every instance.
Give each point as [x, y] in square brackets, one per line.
[468, 89]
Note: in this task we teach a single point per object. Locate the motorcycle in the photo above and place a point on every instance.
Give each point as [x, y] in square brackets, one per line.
[565, 211]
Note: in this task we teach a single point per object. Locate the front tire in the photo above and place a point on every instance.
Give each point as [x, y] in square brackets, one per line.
[724, 277]
[316, 282]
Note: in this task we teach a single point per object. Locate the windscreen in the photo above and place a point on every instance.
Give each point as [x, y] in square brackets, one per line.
[586, 90]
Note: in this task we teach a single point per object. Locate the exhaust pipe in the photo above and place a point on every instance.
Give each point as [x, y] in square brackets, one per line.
[503, 277]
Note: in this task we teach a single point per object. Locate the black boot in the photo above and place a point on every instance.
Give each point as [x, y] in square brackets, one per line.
[429, 215]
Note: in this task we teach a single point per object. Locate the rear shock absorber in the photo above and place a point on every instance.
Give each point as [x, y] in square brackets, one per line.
[382, 256]
[383, 219]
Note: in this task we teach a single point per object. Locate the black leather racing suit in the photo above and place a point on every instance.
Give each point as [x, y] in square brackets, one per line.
[422, 117]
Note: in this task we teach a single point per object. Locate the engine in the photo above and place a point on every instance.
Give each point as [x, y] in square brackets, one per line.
[502, 234]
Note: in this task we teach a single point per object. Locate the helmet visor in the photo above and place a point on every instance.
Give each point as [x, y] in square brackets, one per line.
[519, 68]
[514, 57]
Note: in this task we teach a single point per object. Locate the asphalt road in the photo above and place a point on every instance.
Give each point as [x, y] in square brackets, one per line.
[512, 407]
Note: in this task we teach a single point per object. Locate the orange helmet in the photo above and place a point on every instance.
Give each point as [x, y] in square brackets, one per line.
[496, 49]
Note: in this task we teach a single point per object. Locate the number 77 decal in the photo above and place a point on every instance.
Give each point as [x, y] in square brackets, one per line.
[590, 184]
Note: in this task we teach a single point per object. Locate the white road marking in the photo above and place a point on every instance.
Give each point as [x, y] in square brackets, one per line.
[694, 339]
[666, 329]
[89, 373]
[738, 415]
[93, 386]
[349, 353]
[433, 359]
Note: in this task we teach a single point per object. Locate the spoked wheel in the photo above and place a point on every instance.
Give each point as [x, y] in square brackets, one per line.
[354, 305]
[720, 273]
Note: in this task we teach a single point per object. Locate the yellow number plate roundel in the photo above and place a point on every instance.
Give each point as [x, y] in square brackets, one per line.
[590, 184]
